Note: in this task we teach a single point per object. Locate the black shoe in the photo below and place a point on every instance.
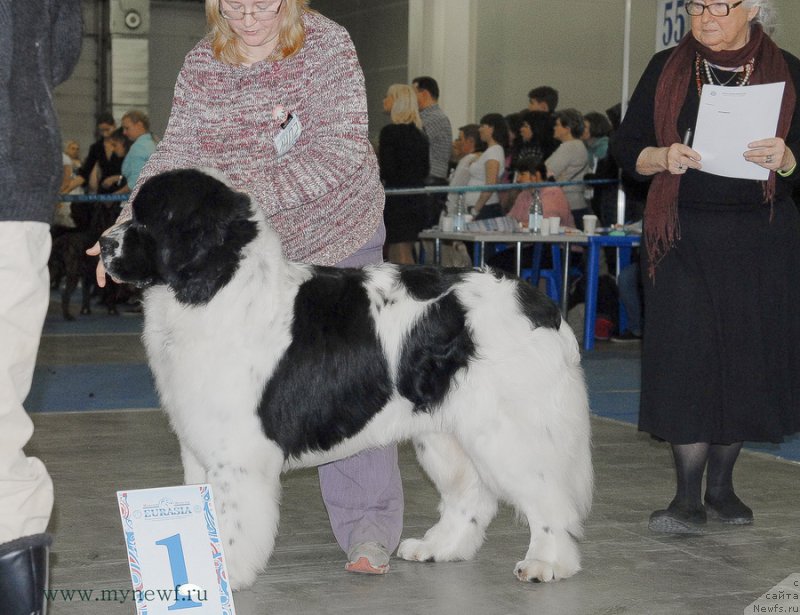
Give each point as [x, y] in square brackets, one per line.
[729, 509]
[23, 575]
[677, 520]
[626, 338]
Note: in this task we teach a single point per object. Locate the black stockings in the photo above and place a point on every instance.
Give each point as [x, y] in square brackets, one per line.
[690, 465]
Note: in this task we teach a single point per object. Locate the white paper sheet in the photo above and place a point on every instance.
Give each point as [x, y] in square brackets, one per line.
[731, 117]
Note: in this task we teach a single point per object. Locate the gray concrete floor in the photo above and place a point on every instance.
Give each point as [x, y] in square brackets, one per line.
[627, 569]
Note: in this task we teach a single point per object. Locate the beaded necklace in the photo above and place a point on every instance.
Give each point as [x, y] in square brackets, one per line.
[743, 76]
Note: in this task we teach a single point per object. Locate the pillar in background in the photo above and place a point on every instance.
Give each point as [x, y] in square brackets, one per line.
[129, 28]
[441, 44]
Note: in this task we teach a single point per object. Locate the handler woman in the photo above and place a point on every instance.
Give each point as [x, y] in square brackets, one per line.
[274, 98]
[721, 352]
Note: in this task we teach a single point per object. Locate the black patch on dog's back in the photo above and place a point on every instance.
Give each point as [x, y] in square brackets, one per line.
[425, 283]
[435, 348]
[334, 376]
[537, 306]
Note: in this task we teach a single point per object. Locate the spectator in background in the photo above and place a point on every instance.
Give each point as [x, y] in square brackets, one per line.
[71, 183]
[39, 47]
[554, 203]
[534, 139]
[436, 126]
[569, 163]
[100, 161]
[467, 148]
[596, 132]
[602, 198]
[536, 136]
[543, 98]
[72, 150]
[136, 127]
[403, 161]
[489, 167]
[120, 144]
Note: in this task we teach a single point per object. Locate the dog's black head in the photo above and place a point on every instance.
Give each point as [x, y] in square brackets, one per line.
[187, 231]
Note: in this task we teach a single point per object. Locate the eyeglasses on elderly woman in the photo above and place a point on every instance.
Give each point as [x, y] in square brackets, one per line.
[717, 9]
[263, 11]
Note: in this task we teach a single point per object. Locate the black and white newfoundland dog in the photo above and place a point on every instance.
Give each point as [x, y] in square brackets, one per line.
[264, 365]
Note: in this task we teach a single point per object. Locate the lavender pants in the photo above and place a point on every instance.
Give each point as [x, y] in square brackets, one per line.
[364, 493]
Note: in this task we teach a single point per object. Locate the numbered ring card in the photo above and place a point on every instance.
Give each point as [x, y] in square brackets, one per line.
[175, 551]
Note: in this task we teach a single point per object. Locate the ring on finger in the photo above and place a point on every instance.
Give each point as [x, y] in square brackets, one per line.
[768, 158]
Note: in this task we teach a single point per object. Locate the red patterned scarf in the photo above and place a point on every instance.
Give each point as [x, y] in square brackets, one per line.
[661, 213]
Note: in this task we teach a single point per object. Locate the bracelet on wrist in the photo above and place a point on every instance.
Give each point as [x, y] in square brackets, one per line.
[788, 172]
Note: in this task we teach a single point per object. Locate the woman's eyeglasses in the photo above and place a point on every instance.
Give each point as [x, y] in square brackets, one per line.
[259, 14]
[717, 9]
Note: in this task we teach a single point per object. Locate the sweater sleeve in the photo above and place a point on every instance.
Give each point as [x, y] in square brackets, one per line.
[335, 149]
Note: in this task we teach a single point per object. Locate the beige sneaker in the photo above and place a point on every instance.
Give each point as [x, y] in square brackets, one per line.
[368, 558]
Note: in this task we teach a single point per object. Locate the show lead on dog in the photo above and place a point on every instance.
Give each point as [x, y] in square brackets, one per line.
[274, 98]
[39, 46]
[720, 361]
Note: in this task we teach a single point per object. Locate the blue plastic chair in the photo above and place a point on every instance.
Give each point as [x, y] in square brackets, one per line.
[551, 276]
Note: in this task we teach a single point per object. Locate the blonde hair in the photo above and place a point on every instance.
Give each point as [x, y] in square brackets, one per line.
[227, 47]
[405, 109]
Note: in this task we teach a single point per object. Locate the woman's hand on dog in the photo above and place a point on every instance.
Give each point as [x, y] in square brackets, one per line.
[100, 272]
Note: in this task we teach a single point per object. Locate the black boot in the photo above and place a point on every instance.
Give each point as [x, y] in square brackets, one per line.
[23, 575]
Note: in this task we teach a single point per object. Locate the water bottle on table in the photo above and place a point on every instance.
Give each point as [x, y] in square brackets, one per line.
[535, 214]
[460, 220]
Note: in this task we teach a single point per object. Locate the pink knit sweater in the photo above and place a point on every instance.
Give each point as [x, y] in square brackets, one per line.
[324, 196]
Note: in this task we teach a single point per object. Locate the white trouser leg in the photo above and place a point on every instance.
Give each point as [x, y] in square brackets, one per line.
[26, 491]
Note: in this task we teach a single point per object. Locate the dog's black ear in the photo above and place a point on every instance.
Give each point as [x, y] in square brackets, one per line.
[200, 226]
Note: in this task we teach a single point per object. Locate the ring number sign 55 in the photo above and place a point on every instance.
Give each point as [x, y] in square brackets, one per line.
[671, 23]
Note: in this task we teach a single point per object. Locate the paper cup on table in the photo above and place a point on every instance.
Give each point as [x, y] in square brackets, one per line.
[589, 224]
[447, 224]
[545, 228]
[555, 225]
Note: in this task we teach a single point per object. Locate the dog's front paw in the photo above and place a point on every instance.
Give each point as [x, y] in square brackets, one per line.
[431, 550]
[416, 550]
[537, 571]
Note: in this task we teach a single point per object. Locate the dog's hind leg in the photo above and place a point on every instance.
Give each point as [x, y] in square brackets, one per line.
[247, 493]
[466, 508]
[544, 471]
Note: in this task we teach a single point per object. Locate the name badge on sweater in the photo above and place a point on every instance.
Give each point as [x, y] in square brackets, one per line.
[289, 134]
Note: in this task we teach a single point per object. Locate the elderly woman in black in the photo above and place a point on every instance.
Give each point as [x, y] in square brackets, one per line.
[721, 353]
